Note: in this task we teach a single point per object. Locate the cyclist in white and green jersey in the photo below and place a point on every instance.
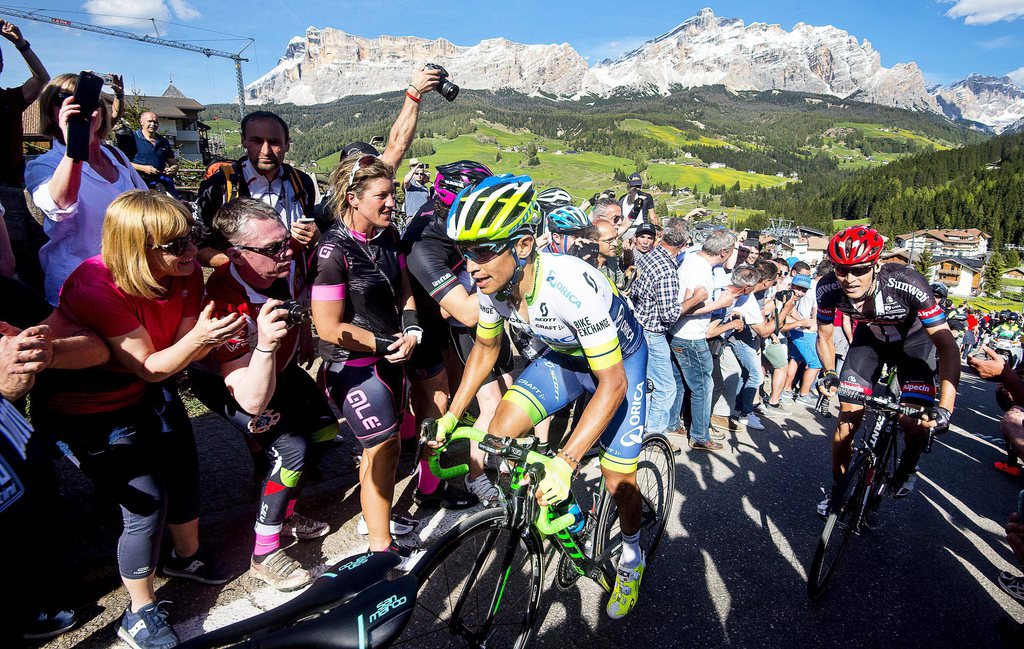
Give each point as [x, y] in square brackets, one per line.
[592, 343]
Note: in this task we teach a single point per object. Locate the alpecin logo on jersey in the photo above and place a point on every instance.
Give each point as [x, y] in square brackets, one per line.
[917, 387]
[264, 421]
[927, 314]
[564, 290]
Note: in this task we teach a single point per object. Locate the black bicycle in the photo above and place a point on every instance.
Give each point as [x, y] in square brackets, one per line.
[351, 606]
[481, 582]
[865, 483]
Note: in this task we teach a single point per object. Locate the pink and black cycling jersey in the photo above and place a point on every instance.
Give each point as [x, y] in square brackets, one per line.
[902, 304]
[365, 273]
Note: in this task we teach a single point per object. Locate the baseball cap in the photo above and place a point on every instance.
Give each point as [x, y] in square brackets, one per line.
[802, 281]
[646, 228]
[635, 180]
[415, 162]
[359, 148]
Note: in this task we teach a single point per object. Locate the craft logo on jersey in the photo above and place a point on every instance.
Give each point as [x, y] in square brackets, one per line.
[564, 290]
[264, 421]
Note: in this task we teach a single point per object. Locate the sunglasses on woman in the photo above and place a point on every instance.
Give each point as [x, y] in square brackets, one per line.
[856, 271]
[275, 249]
[361, 163]
[177, 247]
[482, 253]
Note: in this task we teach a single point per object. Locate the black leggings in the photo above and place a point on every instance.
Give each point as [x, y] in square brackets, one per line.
[293, 431]
[144, 458]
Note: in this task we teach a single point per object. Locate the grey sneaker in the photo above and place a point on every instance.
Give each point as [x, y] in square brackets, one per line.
[304, 528]
[482, 488]
[280, 571]
[907, 487]
[807, 400]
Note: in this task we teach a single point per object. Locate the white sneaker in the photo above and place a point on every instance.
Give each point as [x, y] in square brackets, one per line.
[400, 525]
[752, 422]
[482, 488]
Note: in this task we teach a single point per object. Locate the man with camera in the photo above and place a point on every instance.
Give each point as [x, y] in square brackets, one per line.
[417, 187]
[255, 381]
[637, 207]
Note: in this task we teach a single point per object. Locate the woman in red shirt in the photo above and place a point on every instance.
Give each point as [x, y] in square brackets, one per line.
[126, 426]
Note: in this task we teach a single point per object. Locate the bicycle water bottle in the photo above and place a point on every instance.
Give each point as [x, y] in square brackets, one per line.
[569, 506]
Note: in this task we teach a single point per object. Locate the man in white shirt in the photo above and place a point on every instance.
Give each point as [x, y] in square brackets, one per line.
[689, 343]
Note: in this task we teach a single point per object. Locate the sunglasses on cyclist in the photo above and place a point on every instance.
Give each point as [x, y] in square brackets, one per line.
[275, 249]
[856, 271]
[482, 253]
[361, 163]
[177, 247]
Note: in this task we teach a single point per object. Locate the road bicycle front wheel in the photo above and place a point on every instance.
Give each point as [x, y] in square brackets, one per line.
[480, 586]
[842, 521]
[656, 481]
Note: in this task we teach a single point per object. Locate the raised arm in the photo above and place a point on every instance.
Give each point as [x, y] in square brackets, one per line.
[404, 129]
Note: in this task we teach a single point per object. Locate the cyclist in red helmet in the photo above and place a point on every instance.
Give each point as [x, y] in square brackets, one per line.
[900, 324]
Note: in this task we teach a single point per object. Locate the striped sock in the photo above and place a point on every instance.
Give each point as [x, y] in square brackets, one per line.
[268, 539]
[428, 482]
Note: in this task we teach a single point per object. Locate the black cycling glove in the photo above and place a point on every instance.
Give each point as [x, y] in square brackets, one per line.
[940, 416]
[827, 382]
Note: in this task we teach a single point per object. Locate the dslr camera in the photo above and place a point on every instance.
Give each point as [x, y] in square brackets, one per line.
[445, 88]
[298, 313]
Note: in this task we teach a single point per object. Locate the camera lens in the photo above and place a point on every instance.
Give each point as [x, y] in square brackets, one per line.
[448, 90]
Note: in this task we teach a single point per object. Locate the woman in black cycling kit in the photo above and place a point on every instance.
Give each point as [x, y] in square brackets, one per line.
[365, 316]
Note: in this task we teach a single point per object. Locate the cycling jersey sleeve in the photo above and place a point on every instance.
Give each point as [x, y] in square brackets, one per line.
[587, 309]
[490, 324]
[921, 298]
[827, 296]
[330, 274]
[429, 266]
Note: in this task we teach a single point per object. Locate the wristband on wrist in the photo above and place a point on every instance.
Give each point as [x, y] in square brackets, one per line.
[575, 462]
[265, 351]
[24, 47]
[410, 319]
[381, 345]
[412, 97]
[414, 331]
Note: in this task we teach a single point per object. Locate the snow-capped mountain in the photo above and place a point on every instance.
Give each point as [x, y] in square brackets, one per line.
[327, 64]
[993, 101]
[707, 49]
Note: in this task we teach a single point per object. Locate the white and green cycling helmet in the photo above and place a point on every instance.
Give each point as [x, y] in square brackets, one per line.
[494, 209]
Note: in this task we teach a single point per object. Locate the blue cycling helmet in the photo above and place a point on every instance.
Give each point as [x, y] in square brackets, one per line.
[568, 219]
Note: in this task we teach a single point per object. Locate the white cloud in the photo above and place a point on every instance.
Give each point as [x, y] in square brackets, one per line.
[135, 14]
[1017, 76]
[998, 43]
[184, 10]
[614, 49]
[985, 12]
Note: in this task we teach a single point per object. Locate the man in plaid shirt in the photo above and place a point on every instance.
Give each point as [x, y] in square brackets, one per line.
[655, 296]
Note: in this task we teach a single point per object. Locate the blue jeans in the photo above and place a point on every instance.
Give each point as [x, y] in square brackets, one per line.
[747, 357]
[675, 413]
[659, 374]
[696, 363]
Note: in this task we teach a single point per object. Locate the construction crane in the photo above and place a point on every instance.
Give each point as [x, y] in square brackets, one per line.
[38, 16]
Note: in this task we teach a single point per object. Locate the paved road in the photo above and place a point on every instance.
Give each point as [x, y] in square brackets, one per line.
[731, 571]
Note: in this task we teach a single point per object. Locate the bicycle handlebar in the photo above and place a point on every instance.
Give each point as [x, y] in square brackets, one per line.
[884, 404]
[507, 448]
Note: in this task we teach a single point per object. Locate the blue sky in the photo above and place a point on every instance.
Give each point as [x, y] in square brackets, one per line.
[948, 39]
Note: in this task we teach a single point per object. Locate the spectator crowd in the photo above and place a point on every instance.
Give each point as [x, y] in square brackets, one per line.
[121, 290]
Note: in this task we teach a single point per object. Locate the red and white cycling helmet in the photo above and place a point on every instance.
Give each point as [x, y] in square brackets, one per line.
[857, 244]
